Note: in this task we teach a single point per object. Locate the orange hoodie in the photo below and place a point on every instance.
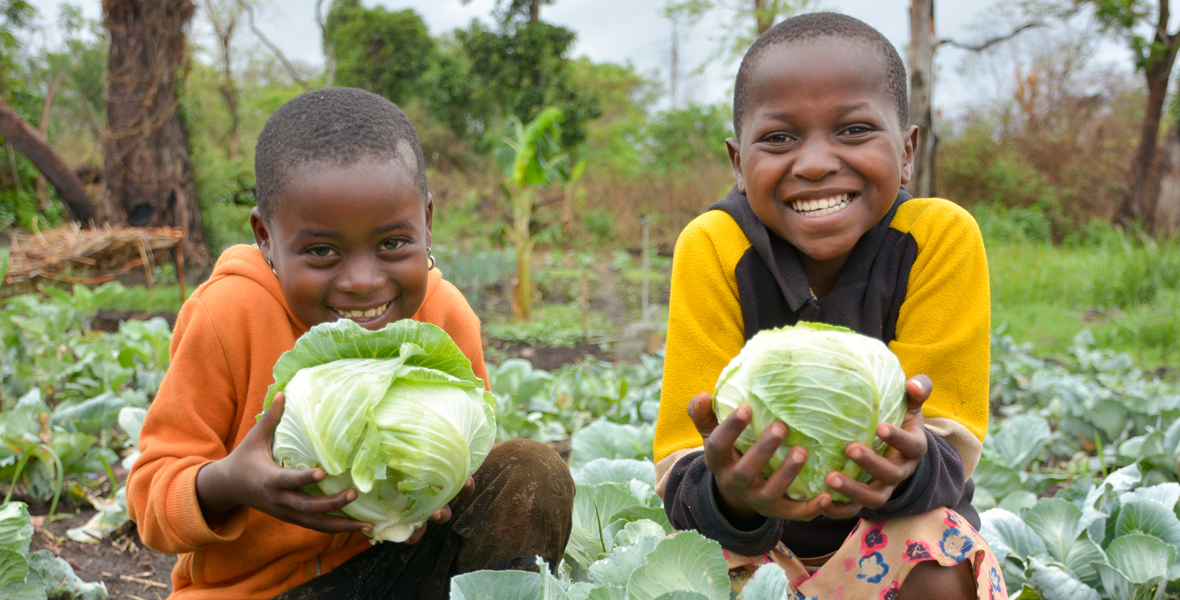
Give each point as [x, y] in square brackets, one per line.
[228, 336]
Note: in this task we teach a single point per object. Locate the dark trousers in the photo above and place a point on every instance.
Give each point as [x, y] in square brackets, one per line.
[521, 508]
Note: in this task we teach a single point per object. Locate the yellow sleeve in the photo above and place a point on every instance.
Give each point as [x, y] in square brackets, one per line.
[705, 329]
[944, 325]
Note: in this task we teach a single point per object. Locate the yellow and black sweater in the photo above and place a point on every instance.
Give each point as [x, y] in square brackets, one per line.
[917, 281]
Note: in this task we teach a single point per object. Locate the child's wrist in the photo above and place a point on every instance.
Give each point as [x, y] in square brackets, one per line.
[210, 485]
[739, 514]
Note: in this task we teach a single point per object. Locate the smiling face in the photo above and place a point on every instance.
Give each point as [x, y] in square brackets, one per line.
[821, 155]
[349, 242]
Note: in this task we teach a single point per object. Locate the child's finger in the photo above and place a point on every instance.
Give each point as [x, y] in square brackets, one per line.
[467, 489]
[911, 444]
[442, 515]
[776, 486]
[719, 443]
[802, 511]
[879, 467]
[918, 390]
[842, 510]
[326, 523]
[863, 494]
[308, 504]
[417, 535]
[293, 479]
[270, 419]
[754, 460]
[700, 410]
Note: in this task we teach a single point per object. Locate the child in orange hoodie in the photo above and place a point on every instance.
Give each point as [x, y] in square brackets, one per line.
[343, 231]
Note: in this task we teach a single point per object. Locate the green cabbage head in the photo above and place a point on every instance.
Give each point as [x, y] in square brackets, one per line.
[396, 414]
[829, 385]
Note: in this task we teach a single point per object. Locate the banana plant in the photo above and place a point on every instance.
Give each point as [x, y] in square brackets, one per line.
[532, 160]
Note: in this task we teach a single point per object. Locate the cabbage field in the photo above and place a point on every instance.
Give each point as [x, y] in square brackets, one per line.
[1078, 486]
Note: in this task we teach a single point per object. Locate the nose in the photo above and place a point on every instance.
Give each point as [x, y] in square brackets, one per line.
[815, 159]
[361, 277]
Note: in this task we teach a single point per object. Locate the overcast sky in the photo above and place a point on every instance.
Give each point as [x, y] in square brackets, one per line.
[634, 30]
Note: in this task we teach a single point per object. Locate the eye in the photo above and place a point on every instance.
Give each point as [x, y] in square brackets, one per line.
[777, 138]
[321, 251]
[393, 244]
[857, 130]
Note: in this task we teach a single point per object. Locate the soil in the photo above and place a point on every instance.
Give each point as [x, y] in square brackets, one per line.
[550, 358]
[109, 320]
[118, 560]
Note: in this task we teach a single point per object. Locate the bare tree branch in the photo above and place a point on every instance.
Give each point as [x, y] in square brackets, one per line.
[29, 141]
[43, 128]
[319, 19]
[291, 70]
[993, 41]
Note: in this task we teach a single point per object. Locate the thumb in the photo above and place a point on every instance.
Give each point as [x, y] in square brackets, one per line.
[918, 390]
[700, 410]
[270, 420]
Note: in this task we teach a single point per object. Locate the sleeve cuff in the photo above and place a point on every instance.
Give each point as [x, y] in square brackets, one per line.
[715, 526]
[187, 521]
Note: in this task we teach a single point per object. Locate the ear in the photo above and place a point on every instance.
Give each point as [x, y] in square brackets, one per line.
[261, 232]
[735, 159]
[910, 143]
[429, 217]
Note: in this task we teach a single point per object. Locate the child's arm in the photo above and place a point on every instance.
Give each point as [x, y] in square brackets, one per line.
[248, 476]
[943, 331]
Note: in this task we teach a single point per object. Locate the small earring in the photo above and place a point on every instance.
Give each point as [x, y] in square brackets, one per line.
[272, 266]
[430, 257]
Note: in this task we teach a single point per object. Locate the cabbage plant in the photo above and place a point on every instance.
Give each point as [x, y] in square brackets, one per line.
[396, 414]
[829, 385]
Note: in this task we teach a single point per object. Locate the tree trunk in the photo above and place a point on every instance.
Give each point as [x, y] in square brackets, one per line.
[763, 19]
[1166, 218]
[229, 91]
[43, 129]
[147, 176]
[1139, 201]
[534, 12]
[32, 144]
[923, 41]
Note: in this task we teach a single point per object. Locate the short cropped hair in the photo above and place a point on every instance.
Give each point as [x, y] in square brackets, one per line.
[816, 25]
[334, 127]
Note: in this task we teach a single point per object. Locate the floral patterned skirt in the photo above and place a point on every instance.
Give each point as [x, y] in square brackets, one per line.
[878, 555]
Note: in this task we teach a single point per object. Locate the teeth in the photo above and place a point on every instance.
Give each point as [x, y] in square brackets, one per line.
[362, 314]
[821, 206]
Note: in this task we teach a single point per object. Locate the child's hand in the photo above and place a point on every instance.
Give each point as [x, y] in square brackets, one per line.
[250, 477]
[443, 514]
[907, 445]
[745, 494]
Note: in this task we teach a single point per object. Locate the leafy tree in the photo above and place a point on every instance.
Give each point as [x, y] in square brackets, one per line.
[385, 52]
[521, 70]
[745, 19]
[1154, 56]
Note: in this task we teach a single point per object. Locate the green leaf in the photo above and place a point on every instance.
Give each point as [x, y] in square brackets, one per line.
[1019, 501]
[682, 595]
[1167, 494]
[996, 478]
[645, 513]
[1053, 582]
[16, 528]
[686, 561]
[1058, 523]
[496, 585]
[32, 589]
[768, 583]
[1150, 517]
[14, 569]
[596, 505]
[621, 562]
[604, 439]
[637, 530]
[333, 341]
[1018, 440]
[1140, 557]
[60, 580]
[608, 592]
[1008, 535]
[602, 470]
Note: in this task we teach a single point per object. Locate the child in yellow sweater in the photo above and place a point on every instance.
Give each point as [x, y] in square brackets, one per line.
[819, 228]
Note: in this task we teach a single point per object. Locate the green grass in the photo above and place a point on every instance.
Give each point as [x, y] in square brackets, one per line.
[1127, 292]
